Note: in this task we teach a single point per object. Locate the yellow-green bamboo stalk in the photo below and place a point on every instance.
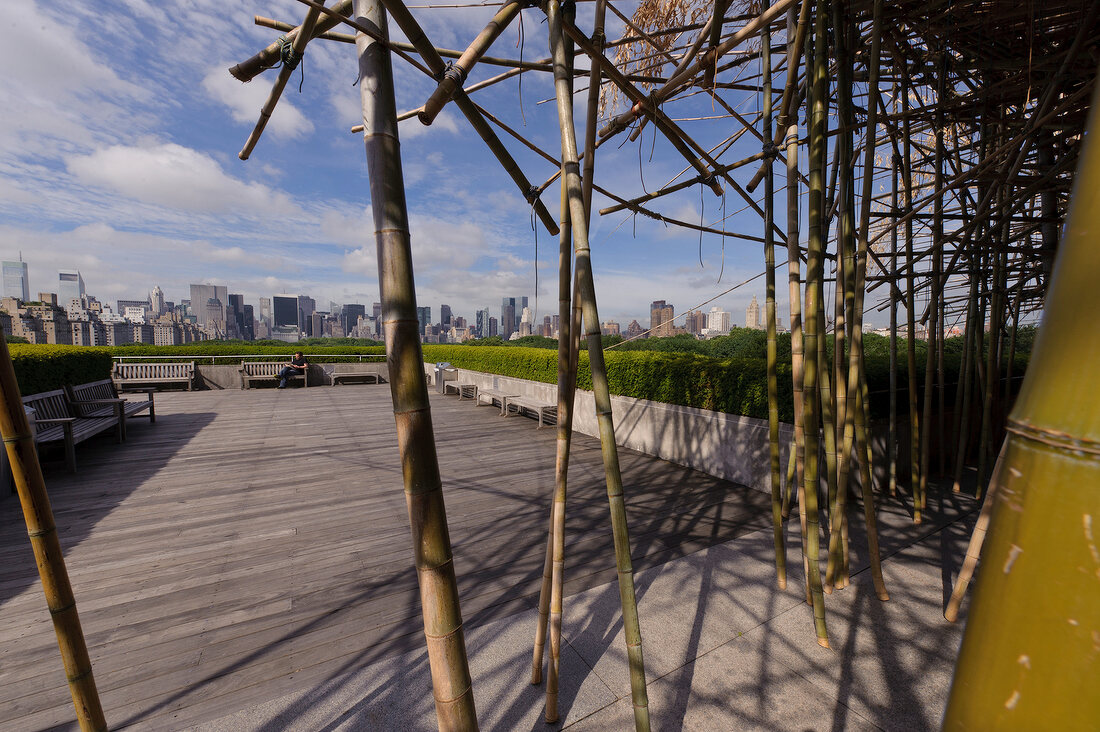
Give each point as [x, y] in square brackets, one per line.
[566, 384]
[38, 515]
[773, 379]
[794, 262]
[974, 547]
[571, 180]
[815, 273]
[964, 400]
[443, 631]
[1028, 659]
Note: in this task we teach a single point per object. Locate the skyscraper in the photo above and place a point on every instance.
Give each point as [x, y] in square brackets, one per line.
[156, 302]
[208, 303]
[349, 316]
[660, 319]
[265, 310]
[284, 311]
[718, 322]
[16, 282]
[70, 286]
[445, 315]
[306, 306]
[752, 315]
[508, 323]
[424, 316]
[482, 328]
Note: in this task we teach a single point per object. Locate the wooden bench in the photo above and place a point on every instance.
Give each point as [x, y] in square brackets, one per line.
[493, 395]
[529, 403]
[335, 377]
[55, 422]
[267, 371]
[148, 374]
[464, 391]
[100, 399]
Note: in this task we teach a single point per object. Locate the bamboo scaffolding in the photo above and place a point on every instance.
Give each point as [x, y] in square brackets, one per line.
[582, 253]
[443, 629]
[46, 544]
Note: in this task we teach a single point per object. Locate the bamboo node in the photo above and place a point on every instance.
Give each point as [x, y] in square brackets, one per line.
[39, 533]
[288, 55]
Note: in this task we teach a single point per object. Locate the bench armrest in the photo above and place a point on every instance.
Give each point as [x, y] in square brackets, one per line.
[96, 401]
[56, 420]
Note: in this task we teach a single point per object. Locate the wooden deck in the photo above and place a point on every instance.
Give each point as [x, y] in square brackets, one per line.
[254, 542]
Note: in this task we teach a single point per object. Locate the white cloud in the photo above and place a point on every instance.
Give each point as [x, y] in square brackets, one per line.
[246, 100]
[176, 177]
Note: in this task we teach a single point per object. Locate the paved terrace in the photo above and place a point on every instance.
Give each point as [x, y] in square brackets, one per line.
[245, 563]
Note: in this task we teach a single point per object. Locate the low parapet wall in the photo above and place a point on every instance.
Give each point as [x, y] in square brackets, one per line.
[727, 446]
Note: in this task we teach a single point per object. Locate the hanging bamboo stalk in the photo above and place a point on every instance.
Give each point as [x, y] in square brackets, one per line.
[46, 545]
[815, 271]
[443, 630]
[272, 54]
[582, 253]
[1028, 658]
[773, 379]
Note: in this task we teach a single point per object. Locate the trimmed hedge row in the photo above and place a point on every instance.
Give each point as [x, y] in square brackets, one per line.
[734, 386]
[244, 351]
[40, 368]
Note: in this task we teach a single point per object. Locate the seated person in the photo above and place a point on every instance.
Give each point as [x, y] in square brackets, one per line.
[297, 365]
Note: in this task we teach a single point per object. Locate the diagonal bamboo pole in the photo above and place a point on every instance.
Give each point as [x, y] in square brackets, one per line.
[412, 30]
[582, 252]
[453, 687]
[456, 72]
[38, 515]
[297, 48]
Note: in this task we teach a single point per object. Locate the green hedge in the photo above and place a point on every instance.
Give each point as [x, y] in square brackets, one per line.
[734, 386]
[42, 368]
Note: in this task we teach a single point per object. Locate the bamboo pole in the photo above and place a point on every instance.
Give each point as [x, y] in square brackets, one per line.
[582, 253]
[443, 630]
[271, 55]
[815, 268]
[457, 72]
[412, 30]
[38, 515]
[794, 265]
[773, 378]
[910, 309]
[290, 62]
[1028, 658]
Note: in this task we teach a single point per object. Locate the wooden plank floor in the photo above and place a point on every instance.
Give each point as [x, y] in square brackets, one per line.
[254, 542]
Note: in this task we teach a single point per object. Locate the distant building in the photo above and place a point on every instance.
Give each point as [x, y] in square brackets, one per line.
[610, 328]
[265, 310]
[695, 321]
[718, 322]
[508, 323]
[156, 302]
[70, 286]
[634, 329]
[752, 315]
[494, 327]
[16, 281]
[284, 318]
[661, 315]
[424, 318]
[445, 316]
[482, 323]
[208, 302]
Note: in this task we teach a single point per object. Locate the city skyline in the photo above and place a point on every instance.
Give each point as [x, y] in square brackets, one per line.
[123, 166]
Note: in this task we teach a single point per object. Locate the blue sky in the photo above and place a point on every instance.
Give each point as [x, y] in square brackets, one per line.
[118, 157]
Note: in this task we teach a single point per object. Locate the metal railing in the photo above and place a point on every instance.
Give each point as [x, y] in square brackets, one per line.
[213, 359]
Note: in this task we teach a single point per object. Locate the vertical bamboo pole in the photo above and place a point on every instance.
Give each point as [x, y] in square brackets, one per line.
[856, 376]
[794, 267]
[910, 302]
[892, 429]
[1028, 659]
[815, 273]
[970, 355]
[582, 252]
[453, 688]
[566, 382]
[38, 515]
[769, 259]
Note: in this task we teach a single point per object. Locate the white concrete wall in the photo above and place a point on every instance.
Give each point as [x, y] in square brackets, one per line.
[728, 446]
